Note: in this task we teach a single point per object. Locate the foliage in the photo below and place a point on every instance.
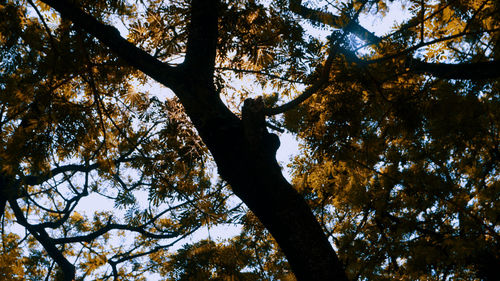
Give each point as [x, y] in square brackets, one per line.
[399, 140]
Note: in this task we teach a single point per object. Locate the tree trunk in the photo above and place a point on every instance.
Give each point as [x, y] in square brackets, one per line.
[245, 154]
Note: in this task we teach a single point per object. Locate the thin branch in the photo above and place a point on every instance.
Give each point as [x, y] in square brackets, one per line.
[471, 19]
[35, 180]
[68, 209]
[257, 72]
[428, 43]
[408, 25]
[84, 168]
[317, 86]
[113, 226]
[155, 249]
[47, 29]
[47, 278]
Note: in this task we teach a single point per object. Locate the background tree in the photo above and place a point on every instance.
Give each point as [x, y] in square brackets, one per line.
[399, 134]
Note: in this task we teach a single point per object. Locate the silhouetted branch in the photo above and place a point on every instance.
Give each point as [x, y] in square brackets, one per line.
[340, 22]
[257, 72]
[473, 71]
[110, 36]
[424, 44]
[44, 23]
[35, 180]
[41, 235]
[155, 249]
[84, 168]
[318, 85]
[113, 226]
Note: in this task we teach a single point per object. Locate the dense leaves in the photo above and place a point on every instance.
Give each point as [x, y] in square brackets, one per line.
[104, 176]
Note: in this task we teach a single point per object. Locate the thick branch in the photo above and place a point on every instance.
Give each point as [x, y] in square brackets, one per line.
[474, 71]
[334, 21]
[111, 37]
[7, 191]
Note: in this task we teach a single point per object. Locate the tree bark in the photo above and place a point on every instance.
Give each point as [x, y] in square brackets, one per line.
[245, 155]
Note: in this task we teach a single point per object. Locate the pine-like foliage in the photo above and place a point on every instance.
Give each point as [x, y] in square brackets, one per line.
[118, 147]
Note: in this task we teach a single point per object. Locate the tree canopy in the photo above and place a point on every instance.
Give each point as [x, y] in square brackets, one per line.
[397, 176]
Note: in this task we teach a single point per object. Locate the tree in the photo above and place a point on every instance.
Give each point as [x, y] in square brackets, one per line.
[398, 176]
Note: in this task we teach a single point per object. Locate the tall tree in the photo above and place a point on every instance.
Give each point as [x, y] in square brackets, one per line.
[397, 176]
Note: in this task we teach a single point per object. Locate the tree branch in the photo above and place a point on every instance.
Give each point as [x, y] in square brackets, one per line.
[111, 37]
[47, 242]
[424, 44]
[466, 71]
[261, 73]
[35, 180]
[334, 21]
[317, 86]
[113, 226]
[47, 29]
[473, 71]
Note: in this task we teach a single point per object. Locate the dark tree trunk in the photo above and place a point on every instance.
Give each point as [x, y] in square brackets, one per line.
[245, 155]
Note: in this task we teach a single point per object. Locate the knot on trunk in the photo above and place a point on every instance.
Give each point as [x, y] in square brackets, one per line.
[254, 126]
